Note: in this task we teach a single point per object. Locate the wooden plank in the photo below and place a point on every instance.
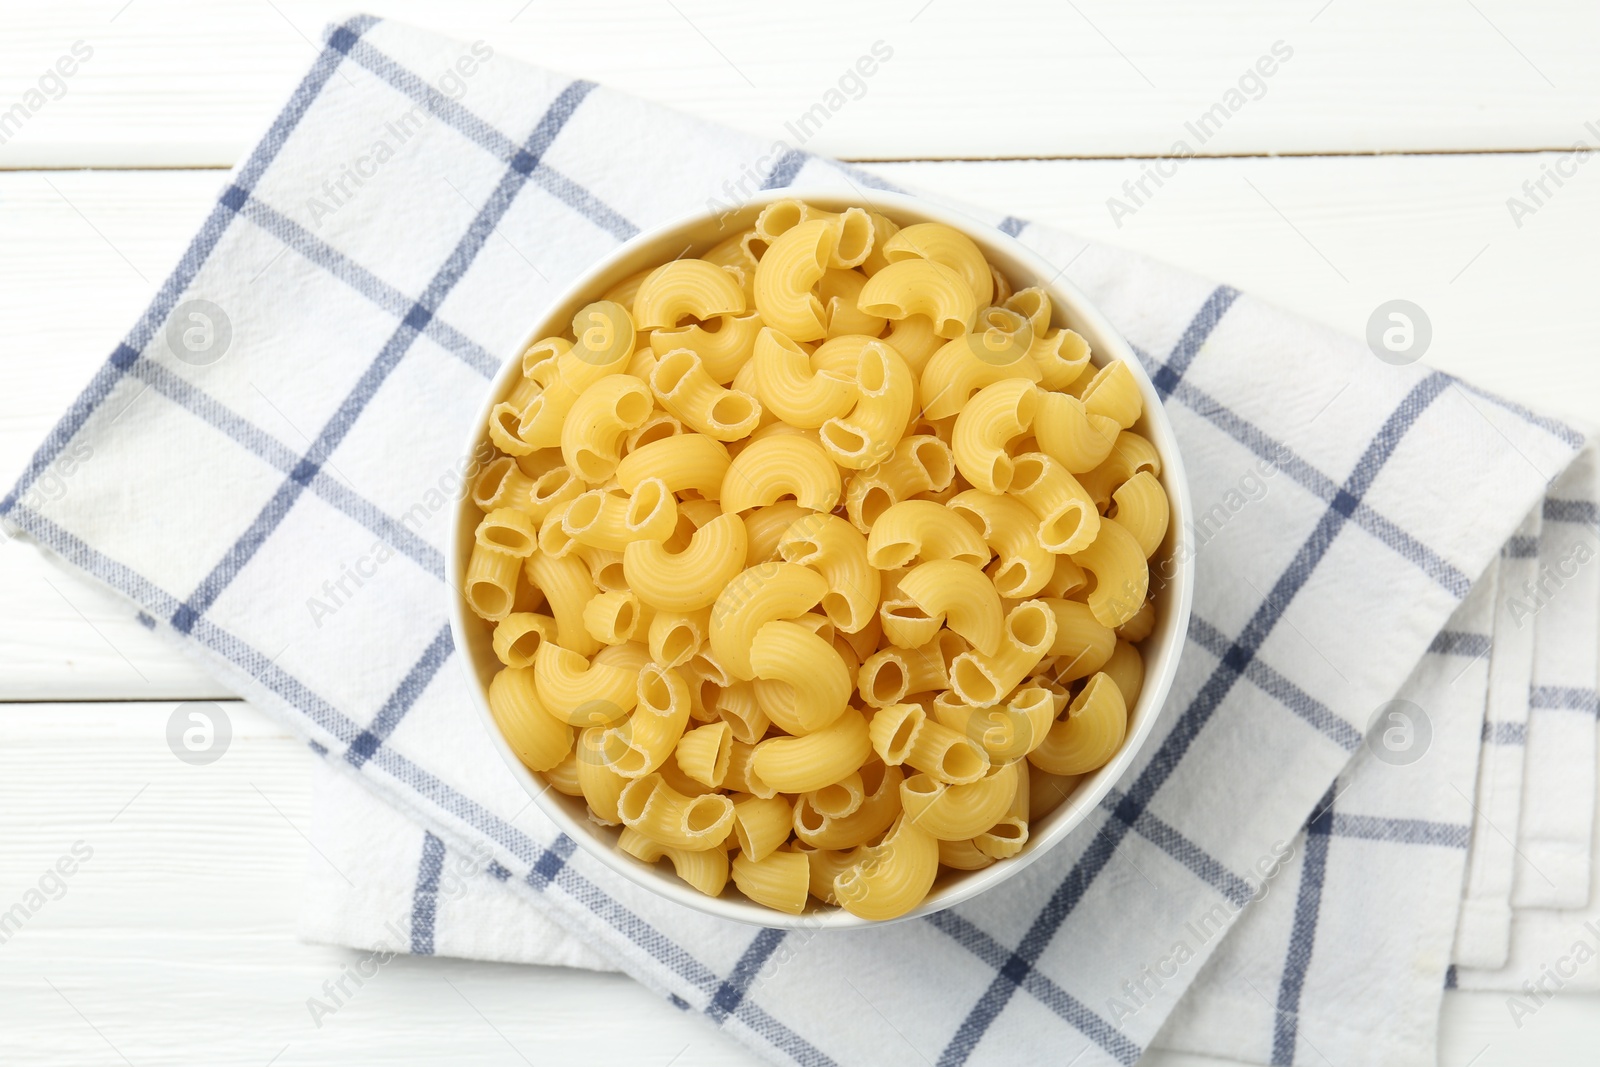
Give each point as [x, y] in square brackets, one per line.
[178, 932]
[174, 84]
[1511, 308]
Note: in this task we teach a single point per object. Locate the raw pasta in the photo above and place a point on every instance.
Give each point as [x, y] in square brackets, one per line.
[818, 563]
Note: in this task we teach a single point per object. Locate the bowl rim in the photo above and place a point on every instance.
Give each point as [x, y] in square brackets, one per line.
[1173, 626]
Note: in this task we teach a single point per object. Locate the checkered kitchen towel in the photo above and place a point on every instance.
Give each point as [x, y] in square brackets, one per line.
[275, 448]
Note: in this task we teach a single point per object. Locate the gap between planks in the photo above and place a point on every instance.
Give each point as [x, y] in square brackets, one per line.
[1134, 157]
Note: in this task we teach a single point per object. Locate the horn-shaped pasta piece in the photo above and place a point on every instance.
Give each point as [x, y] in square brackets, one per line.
[723, 344]
[627, 289]
[1113, 393]
[563, 777]
[686, 288]
[885, 396]
[963, 856]
[960, 593]
[919, 464]
[1088, 734]
[539, 739]
[854, 228]
[761, 824]
[801, 683]
[921, 530]
[502, 484]
[890, 878]
[787, 274]
[1141, 625]
[781, 216]
[774, 467]
[508, 530]
[736, 252]
[841, 799]
[1065, 580]
[992, 418]
[985, 678]
[945, 754]
[683, 461]
[762, 594]
[840, 293]
[1068, 519]
[596, 754]
[705, 870]
[703, 753]
[1023, 565]
[741, 776]
[540, 359]
[683, 386]
[690, 579]
[914, 338]
[1008, 730]
[791, 388]
[836, 550]
[878, 809]
[959, 812]
[612, 618]
[767, 525]
[1007, 836]
[883, 228]
[661, 813]
[947, 246]
[1083, 644]
[591, 436]
[736, 705]
[675, 636]
[490, 584]
[781, 880]
[580, 692]
[996, 351]
[605, 345]
[802, 764]
[645, 740]
[1141, 505]
[921, 287]
[611, 520]
[568, 587]
[1070, 435]
[1122, 577]
[1126, 669]
[894, 729]
[1129, 455]
[517, 637]
[1061, 356]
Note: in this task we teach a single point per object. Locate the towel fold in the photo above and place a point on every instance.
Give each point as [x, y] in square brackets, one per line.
[1553, 838]
[1483, 932]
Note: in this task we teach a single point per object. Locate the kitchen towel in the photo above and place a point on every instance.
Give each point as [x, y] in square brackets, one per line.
[1483, 932]
[277, 445]
[1553, 838]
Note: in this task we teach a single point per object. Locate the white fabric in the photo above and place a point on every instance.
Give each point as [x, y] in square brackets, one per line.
[1483, 934]
[1369, 938]
[279, 510]
[1553, 838]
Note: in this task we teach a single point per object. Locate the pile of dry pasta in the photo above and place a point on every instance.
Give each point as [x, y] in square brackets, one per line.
[818, 560]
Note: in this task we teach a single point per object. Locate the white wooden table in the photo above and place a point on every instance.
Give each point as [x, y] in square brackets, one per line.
[1376, 163]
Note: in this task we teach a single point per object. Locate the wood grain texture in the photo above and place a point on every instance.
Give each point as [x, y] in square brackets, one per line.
[180, 84]
[1329, 238]
[174, 943]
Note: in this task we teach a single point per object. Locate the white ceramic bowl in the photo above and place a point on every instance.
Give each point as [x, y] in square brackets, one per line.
[1172, 561]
